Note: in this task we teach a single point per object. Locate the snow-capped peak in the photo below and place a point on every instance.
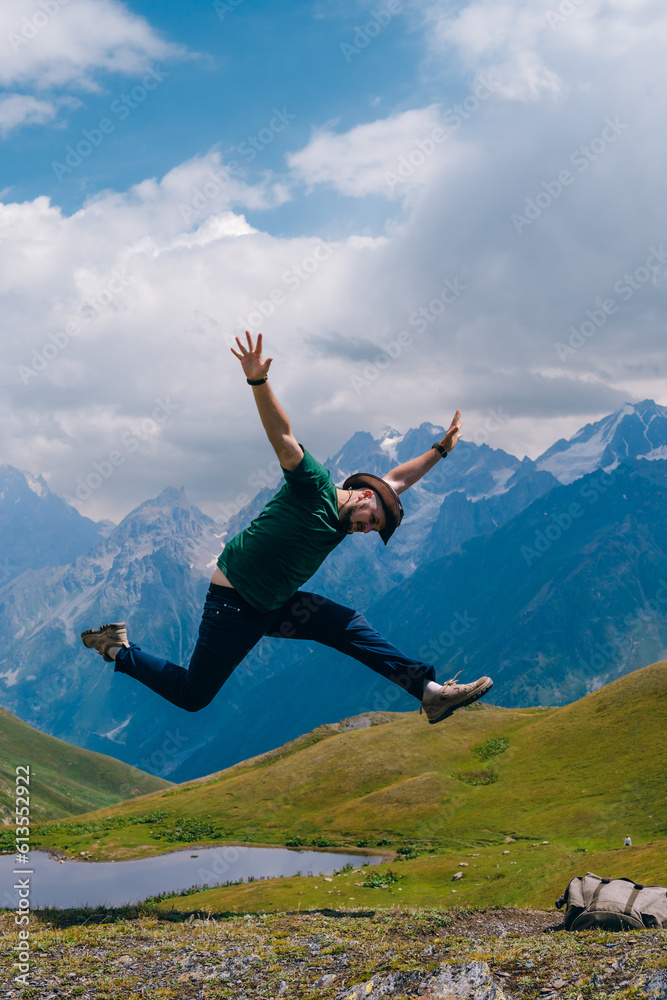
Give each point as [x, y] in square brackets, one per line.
[37, 485]
[389, 441]
[634, 431]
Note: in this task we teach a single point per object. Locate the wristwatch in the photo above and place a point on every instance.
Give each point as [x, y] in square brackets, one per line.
[439, 447]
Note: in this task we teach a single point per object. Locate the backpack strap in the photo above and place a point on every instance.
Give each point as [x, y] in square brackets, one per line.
[598, 890]
[636, 889]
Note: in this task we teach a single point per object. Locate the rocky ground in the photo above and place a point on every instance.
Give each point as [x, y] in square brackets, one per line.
[342, 955]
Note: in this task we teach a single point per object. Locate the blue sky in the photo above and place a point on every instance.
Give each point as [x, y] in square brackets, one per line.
[403, 258]
[238, 64]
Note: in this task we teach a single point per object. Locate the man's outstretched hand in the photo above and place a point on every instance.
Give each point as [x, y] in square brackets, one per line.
[251, 359]
[454, 432]
[274, 419]
[406, 475]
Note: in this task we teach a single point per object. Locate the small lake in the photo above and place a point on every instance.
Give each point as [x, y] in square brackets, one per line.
[122, 883]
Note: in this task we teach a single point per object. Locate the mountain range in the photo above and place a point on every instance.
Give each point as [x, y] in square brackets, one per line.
[37, 528]
[546, 574]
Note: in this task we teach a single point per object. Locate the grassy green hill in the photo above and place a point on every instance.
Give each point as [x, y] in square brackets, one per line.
[64, 780]
[487, 781]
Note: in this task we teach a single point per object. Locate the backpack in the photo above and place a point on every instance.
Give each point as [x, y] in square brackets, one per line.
[617, 904]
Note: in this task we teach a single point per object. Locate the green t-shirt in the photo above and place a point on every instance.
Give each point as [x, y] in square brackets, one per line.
[284, 545]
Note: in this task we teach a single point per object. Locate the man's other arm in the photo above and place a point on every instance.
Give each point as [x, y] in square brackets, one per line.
[404, 476]
[274, 419]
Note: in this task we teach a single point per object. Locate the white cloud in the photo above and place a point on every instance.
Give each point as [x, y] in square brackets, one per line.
[540, 48]
[499, 37]
[373, 158]
[54, 45]
[125, 303]
[159, 278]
[155, 304]
[22, 109]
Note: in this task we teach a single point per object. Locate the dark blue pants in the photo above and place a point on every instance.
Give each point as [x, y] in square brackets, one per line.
[230, 627]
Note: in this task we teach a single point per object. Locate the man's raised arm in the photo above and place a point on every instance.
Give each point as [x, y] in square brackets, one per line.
[403, 476]
[273, 417]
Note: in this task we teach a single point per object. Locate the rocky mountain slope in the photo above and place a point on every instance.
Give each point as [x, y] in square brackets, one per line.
[38, 528]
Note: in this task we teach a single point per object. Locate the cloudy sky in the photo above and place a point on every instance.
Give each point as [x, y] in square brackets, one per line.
[422, 205]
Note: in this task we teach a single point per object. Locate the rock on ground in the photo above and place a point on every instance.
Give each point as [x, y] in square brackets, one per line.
[470, 981]
[653, 985]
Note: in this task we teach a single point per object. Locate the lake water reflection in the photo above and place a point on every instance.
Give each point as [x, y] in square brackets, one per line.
[121, 883]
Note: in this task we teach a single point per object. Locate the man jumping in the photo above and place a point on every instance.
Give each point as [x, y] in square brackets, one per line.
[254, 589]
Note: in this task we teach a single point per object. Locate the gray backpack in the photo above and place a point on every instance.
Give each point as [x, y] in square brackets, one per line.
[616, 904]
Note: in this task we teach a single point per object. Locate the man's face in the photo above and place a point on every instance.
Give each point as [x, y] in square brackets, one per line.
[363, 513]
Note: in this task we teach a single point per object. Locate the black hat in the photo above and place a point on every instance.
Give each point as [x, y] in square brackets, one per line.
[393, 507]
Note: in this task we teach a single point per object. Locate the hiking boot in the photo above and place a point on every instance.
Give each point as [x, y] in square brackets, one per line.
[103, 638]
[437, 705]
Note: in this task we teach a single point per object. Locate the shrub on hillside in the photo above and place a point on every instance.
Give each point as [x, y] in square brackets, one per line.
[492, 747]
[381, 880]
[477, 777]
[406, 853]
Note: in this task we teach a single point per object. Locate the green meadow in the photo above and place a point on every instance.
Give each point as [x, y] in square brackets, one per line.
[64, 780]
[516, 800]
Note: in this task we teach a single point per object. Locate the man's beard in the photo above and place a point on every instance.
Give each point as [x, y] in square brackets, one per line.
[345, 516]
[345, 519]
